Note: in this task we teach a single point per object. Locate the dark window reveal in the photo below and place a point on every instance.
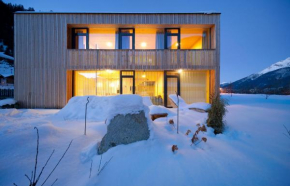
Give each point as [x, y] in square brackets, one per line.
[126, 38]
[172, 38]
[80, 38]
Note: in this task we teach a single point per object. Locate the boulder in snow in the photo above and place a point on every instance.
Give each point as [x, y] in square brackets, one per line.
[125, 129]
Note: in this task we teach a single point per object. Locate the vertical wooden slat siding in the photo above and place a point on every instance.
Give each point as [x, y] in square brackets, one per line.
[42, 58]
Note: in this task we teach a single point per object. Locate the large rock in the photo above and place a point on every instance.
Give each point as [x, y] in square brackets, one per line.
[125, 129]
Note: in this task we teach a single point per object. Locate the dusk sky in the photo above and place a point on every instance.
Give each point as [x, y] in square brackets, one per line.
[254, 33]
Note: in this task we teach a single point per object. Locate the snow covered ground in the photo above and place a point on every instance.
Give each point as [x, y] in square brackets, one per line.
[252, 151]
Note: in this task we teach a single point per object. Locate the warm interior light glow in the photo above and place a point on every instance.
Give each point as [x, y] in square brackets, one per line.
[109, 71]
[89, 75]
[143, 76]
[109, 44]
[179, 71]
[143, 44]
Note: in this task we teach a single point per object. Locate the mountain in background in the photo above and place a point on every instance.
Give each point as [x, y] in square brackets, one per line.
[7, 25]
[272, 80]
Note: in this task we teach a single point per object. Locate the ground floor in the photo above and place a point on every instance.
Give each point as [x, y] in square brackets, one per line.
[192, 85]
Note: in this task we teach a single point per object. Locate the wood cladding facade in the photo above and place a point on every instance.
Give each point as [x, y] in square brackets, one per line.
[43, 64]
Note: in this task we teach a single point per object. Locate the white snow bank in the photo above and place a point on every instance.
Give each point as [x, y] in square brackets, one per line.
[8, 101]
[183, 104]
[101, 108]
[157, 109]
[200, 105]
[147, 101]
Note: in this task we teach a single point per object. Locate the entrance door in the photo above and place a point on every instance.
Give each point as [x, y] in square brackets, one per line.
[171, 86]
[127, 82]
[127, 85]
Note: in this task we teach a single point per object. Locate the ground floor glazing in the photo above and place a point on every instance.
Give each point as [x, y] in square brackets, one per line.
[191, 85]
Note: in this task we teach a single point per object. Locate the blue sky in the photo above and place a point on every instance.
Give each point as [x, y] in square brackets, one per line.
[254, 33]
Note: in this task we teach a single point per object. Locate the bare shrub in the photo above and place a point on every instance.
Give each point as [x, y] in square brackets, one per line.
[174, 148]
[33, 179]
[195, 140]
[288, 132]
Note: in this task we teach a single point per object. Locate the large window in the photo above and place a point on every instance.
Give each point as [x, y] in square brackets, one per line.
[202, 37]
[126, 38]
[194, 85]
[150, 83]
[172, 38]
[195, 38]
[149, 38]
[103, 38]
[101, 83]
[80, 38]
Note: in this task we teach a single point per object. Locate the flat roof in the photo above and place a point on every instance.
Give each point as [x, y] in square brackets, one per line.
[34, 12]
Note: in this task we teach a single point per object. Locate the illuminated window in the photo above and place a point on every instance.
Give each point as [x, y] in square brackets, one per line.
[172, 38]
[194, 85]
[101, 83]
[150, 83]
[195, 38]
[103, 38]
[149, 38]
[126, 38]
[80, 38]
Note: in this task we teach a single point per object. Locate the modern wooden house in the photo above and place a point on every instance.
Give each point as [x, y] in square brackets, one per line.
[60, 55]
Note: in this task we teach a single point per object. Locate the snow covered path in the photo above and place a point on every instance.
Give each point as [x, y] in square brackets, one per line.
[252, 151]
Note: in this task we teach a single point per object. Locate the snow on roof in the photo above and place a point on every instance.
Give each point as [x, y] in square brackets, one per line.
[6, 75]
[2, 55]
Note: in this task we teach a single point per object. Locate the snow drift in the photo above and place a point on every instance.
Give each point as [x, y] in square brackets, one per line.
[101, 108]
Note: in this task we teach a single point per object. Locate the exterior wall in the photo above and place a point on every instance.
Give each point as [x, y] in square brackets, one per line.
[42, 58]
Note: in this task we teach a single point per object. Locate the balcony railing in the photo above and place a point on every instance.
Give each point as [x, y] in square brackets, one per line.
[141, 59]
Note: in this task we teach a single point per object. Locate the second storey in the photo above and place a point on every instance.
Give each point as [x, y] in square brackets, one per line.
[118, 41]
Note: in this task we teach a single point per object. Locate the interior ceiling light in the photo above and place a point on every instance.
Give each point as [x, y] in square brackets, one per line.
[143, 44]
[89, 75]
[109, 44]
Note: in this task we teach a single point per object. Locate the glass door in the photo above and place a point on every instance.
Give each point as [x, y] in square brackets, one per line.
[127, 85]
[171, 86]
[127, 82]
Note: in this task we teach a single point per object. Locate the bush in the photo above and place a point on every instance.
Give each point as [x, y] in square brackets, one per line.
[216, 114]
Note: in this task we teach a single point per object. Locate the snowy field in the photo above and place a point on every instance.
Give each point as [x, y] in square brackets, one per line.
[252, 151]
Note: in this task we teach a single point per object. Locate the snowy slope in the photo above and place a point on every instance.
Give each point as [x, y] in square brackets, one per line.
[276, 66]
[252, 151]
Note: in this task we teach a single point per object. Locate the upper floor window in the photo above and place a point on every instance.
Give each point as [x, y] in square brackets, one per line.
[126, 38]
[172, 38]
[149, 38]
[80, 38]
[195, 38]
[103, 38]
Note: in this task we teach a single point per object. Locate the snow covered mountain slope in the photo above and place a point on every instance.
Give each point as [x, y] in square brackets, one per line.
[274, 79]
[281, 64]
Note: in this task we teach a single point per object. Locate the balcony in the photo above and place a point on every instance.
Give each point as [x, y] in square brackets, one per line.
[141, 59]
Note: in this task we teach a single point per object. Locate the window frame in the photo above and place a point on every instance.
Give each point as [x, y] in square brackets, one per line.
[166, 34]
[74, 34]
[126, 34]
